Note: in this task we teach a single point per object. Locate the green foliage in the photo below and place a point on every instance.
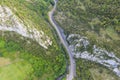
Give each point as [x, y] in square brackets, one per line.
[33, 13]
[79, 11]
[84, 67]
[45, 63]
[17, 70]
[98, 20]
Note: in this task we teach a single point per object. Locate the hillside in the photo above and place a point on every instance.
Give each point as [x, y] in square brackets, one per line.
[97, 20]
[55, 39]
[93, 33]
[29, 50]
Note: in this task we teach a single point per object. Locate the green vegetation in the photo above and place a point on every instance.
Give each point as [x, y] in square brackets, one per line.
[32, 12]
[44, 64]
[102, 74]
[87, 70]
[98, 20]
[18, 70]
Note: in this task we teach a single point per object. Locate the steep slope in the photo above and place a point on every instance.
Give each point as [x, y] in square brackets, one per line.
[26, 39]
[97, 20]
[10, 22]
[92, 30]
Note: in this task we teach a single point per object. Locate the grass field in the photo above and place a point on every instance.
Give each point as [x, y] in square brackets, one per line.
[17, 70]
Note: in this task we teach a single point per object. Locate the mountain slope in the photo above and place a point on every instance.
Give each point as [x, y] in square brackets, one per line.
[26, 39]
[91, 26]
[97, 20]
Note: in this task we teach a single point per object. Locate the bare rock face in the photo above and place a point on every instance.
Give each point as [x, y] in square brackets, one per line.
[10, 22]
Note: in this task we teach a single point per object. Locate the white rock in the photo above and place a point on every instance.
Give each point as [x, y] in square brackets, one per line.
[18, 27]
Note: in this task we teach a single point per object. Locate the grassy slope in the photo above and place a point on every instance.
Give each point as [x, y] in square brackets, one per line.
[87, 70]
[46, 64]
[16, 71]
[32, 12]
[98, 20]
